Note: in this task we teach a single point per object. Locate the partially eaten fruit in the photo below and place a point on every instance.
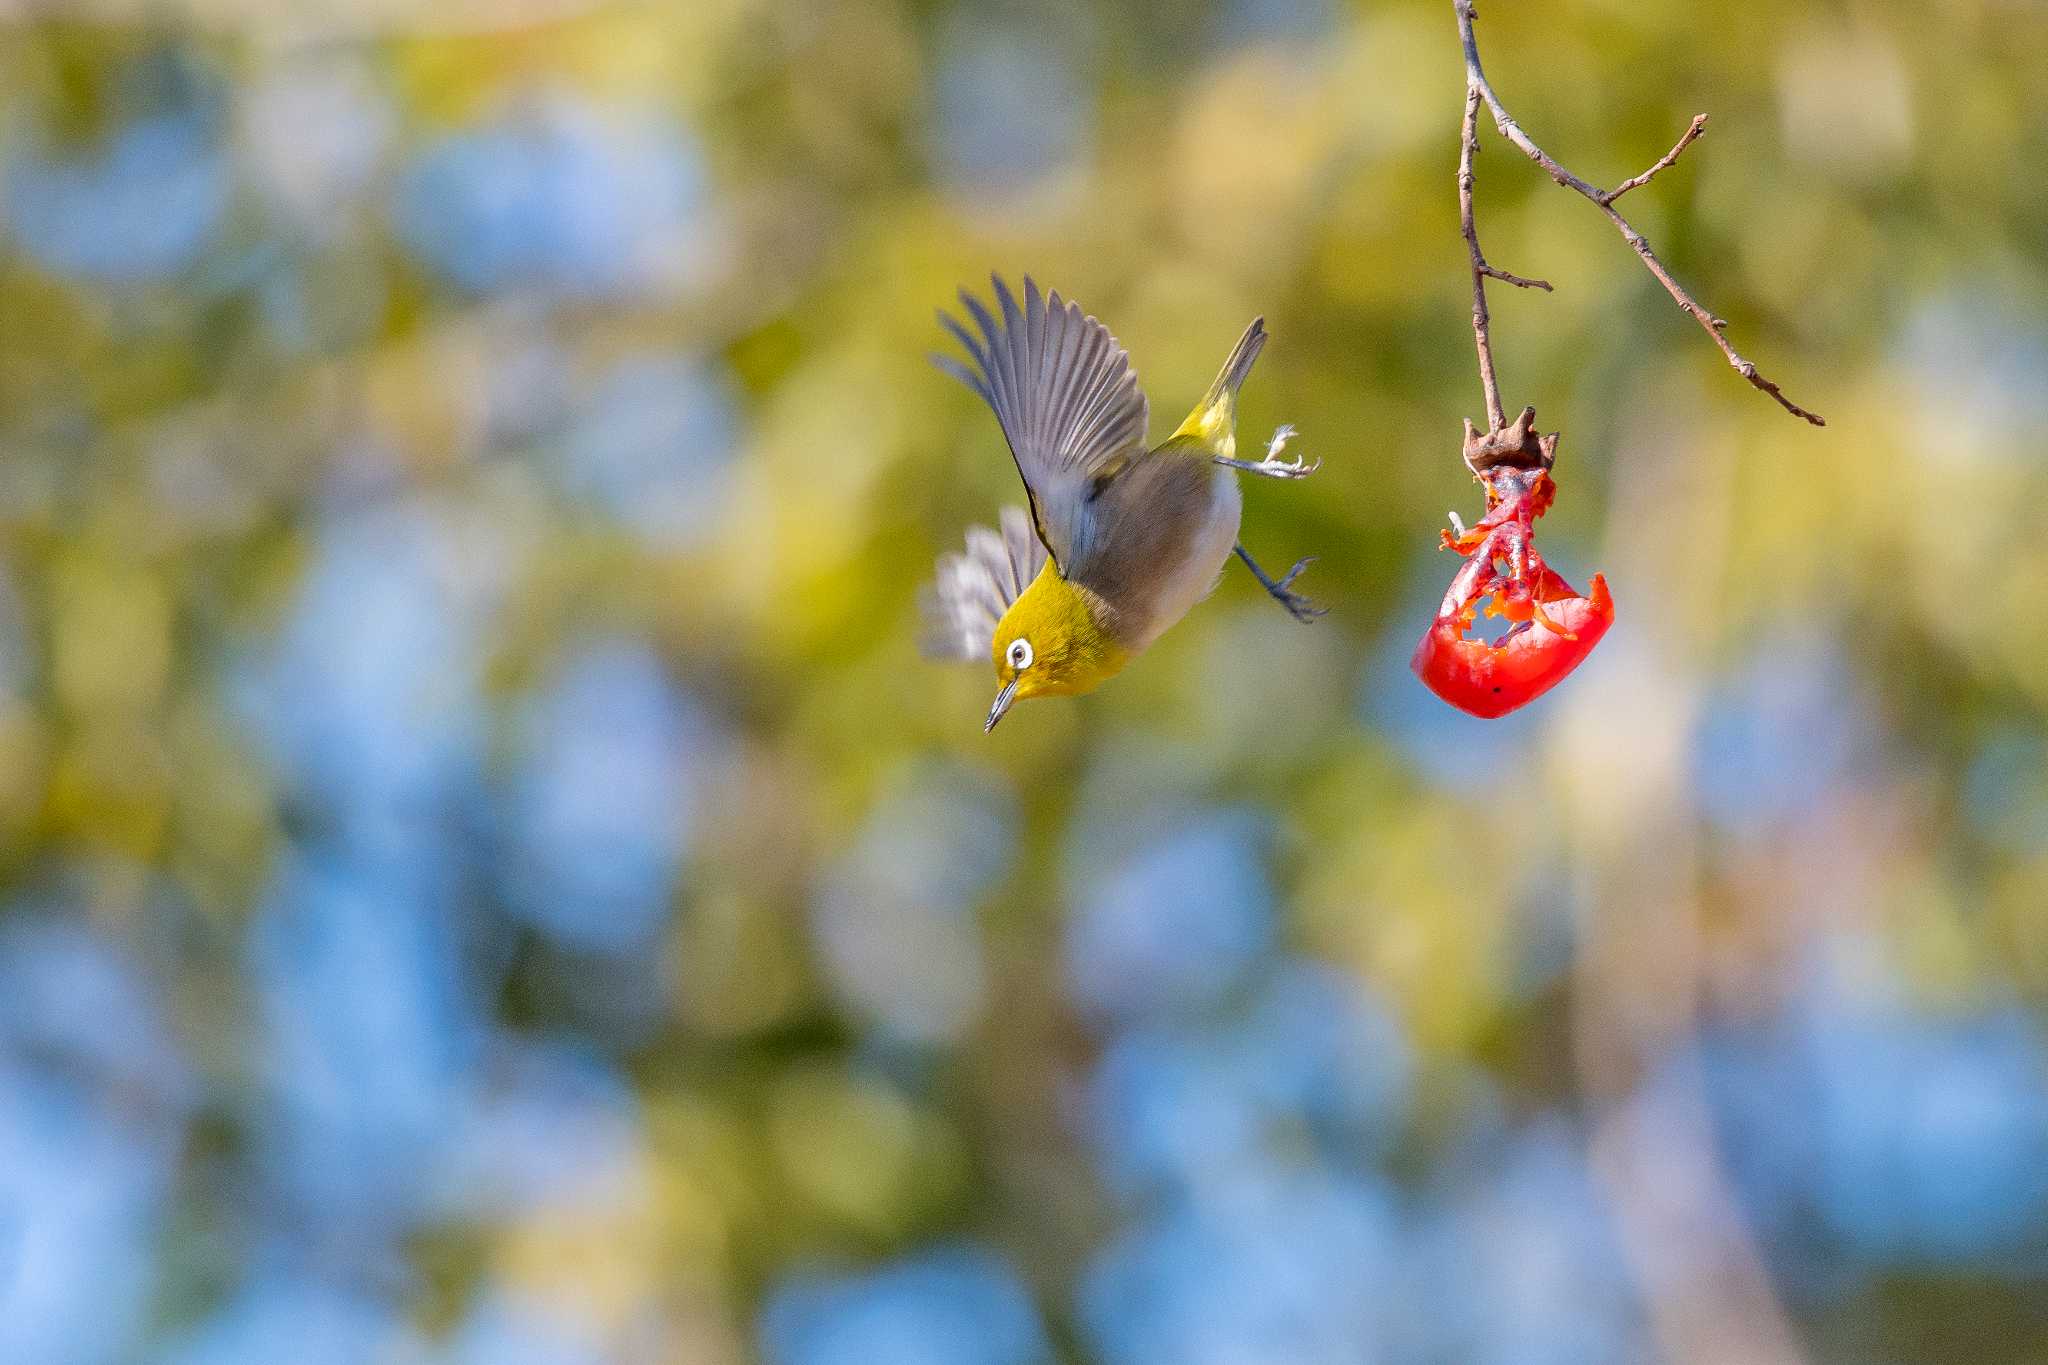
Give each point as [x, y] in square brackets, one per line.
[1553, 627]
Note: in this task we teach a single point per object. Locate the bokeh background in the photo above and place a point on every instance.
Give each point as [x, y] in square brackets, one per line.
[485, 878]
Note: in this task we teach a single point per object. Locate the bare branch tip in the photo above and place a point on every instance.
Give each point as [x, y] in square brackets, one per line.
[1477, 89]
[1508, 277]
[1788, 405]
[1685, 139]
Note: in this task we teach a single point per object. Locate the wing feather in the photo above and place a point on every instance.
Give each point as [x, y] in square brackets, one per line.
[965, 601]
[1063, 391]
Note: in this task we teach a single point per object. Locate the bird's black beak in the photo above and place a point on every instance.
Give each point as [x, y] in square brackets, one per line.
[1003, 700]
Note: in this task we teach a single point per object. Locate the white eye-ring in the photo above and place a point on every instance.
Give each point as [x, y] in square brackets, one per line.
[1020, 654]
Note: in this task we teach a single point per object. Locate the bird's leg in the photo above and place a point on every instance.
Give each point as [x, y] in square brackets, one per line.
[1299, 607]
[1273, 467]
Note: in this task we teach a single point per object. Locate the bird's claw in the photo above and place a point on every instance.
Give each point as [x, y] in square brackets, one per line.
[1299, 607]
[1273, 467]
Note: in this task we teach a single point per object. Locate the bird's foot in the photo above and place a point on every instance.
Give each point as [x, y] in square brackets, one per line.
[1299, 607]
[1273, 467]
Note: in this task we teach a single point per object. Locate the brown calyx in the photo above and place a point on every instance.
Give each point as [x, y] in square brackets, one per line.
[1517, 445]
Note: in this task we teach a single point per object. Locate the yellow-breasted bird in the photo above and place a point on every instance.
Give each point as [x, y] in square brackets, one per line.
[1126, 538]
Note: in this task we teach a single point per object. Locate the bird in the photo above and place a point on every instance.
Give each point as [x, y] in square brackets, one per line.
[1120, 539]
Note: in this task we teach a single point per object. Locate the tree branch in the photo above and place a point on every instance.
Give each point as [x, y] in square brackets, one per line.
[1477, 89]
[1685, 140]
[1481, 321]
[1481, 338]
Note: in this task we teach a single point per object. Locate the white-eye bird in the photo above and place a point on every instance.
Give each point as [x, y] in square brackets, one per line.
[1121, 540]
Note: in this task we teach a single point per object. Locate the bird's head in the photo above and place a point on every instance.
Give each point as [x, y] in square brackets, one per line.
[1053, 641]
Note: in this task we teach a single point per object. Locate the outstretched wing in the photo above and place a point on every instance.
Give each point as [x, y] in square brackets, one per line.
[1065, 394]
[963, 605]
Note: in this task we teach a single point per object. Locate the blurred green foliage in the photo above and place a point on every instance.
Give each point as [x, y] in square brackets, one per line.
[367, 371]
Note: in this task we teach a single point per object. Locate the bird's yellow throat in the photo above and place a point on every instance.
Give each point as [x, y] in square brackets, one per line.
[1068, 628]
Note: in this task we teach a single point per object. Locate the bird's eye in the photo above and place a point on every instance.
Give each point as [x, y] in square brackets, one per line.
[1020, 654]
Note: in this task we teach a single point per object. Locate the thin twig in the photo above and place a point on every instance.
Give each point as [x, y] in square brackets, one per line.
[1509, 277]
[1481, 322]
[1685, 140]
[1476, 84]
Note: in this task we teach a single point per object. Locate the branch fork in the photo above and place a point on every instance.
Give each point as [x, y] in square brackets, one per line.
[1477, 91]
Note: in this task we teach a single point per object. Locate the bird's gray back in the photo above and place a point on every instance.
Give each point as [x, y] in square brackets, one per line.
[1152, 540]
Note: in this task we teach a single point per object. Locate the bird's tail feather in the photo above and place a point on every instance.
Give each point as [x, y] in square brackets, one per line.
[1214, 419]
